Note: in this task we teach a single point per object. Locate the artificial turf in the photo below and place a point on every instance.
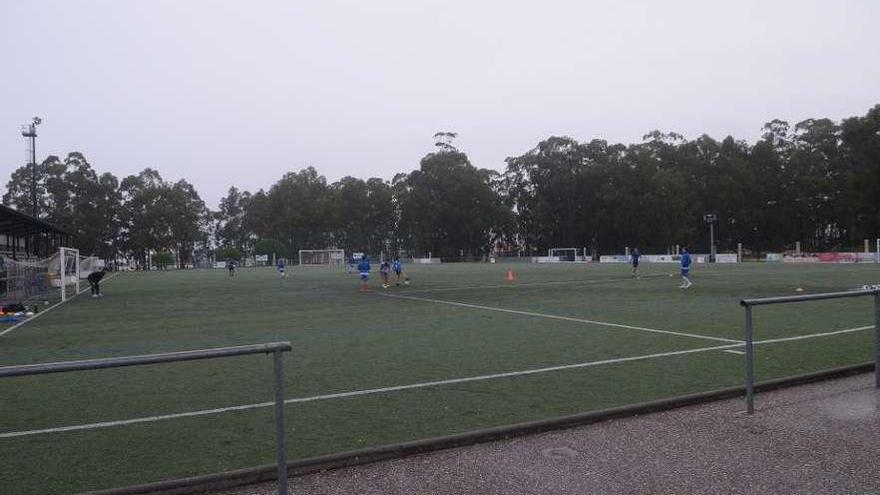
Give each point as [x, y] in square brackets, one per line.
[346, 341]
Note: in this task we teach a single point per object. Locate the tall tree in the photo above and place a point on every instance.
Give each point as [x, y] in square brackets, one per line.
[449, 207]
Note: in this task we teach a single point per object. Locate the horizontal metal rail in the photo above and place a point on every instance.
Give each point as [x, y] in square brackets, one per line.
[748, 304]
[808, 297]
[274, 348]
[118, 362]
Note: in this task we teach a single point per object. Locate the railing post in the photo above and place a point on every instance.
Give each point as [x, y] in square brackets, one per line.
[877, 339]
[281, 453]
[750, 363]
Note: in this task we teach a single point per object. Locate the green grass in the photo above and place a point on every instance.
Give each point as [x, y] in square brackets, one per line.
[347, 341]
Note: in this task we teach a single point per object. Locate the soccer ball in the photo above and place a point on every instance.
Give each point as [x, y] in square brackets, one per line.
[406, 282]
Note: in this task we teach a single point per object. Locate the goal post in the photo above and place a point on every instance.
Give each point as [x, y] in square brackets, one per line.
[321, 257]
[68, 271]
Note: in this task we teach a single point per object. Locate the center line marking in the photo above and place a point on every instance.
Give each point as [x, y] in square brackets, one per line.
[564, 318]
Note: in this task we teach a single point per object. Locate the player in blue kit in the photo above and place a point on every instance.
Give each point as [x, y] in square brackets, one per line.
[364, 269]
[281, 269]
[398, 270]
[635, 262]
[685, 269]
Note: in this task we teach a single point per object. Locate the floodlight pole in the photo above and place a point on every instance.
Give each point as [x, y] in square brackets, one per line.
[30, 131]
[710, 219]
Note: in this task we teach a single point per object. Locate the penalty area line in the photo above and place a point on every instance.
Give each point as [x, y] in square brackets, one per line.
[437, 383]
[563, 318]
[50, 308]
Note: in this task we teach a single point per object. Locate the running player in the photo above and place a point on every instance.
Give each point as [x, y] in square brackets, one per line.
[364, 269]
[230, 265]
[384, 269]
[398, 270]
[280, 266]
[635, 262]
[685, 269]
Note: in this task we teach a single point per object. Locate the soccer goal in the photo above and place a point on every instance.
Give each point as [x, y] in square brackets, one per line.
[566, 255]
[41, 280]
[321, 257]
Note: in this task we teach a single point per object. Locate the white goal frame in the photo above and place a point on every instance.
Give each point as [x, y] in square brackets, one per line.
[327, 257]
[579, 255]
[67, 278]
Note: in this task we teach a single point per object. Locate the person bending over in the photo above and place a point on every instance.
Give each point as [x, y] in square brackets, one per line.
[94, 279]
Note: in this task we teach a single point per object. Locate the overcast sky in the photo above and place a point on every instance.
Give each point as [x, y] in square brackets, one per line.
[224, 93]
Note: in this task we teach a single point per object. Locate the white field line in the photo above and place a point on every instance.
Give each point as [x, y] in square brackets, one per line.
[355, 393]
[50, 308]
[563, 318]
[533, 284]
[813, 335]
[733, 351]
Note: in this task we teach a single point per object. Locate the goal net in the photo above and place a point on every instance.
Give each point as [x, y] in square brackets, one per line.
[66, 270]
[321, 257]
[42, 280]
[566, 255]
[89, 264]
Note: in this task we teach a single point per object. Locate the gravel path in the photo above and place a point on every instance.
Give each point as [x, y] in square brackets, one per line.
[821, 438]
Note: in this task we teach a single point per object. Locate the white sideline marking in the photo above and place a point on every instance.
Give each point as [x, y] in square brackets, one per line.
[297, 400]
[355, 393]
[564, 318]
[733, 351]
[50, 308]
[533, 284]
[813, 335]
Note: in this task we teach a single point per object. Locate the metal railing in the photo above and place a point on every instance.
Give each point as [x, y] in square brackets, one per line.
[276, 348]
[750, 353]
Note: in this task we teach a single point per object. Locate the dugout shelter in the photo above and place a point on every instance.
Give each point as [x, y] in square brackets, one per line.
[23, 237]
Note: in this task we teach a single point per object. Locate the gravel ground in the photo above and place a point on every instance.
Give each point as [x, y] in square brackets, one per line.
[821, 438]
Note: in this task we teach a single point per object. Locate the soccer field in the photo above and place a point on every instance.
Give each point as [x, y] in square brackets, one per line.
[459, 349]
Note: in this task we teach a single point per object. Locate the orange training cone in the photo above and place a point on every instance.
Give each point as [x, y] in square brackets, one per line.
[510, 276]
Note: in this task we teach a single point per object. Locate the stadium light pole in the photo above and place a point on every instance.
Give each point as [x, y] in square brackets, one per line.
[710, 219]
[30, 131]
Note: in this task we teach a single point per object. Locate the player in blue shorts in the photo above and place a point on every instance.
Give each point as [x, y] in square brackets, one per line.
[685, 269]
[384, 270]
[364, 269]
[398, 270]
[281, 269]
[635, 262]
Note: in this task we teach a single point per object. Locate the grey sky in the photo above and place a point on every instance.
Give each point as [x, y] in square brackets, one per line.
[240, 92]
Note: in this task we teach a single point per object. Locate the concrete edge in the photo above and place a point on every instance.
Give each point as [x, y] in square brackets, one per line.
[247, 476]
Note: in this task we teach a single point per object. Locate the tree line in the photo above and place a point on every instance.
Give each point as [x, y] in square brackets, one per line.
[816, 182]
